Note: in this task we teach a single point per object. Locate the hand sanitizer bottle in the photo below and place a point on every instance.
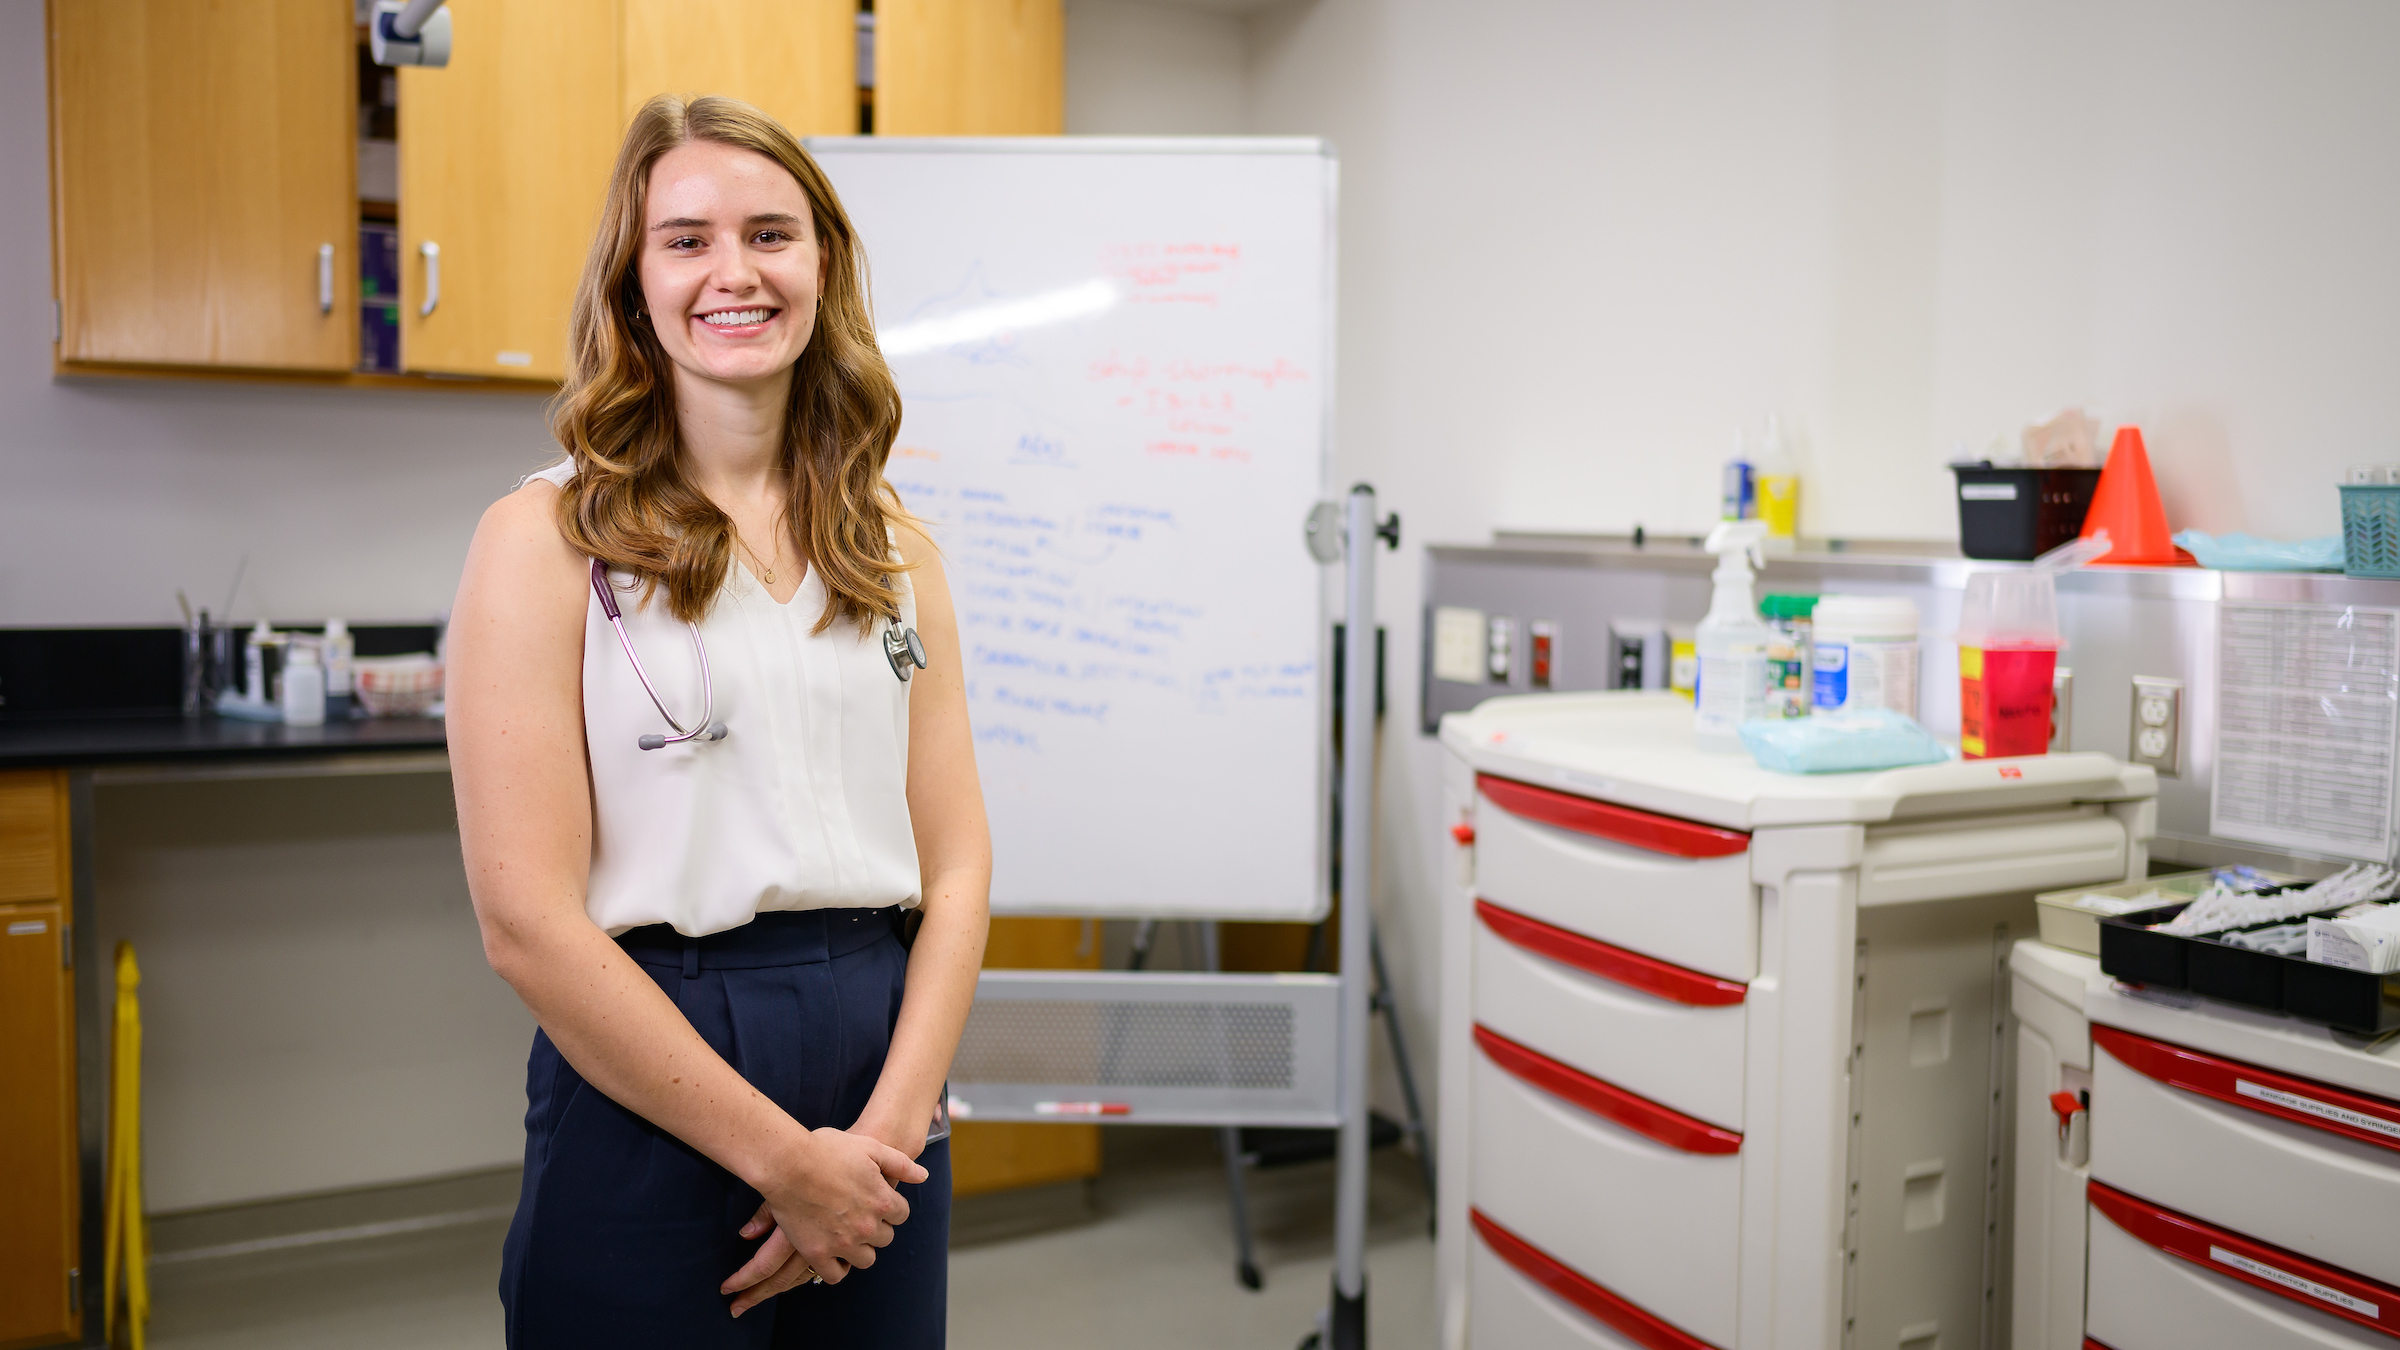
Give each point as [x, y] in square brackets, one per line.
[1732, 640]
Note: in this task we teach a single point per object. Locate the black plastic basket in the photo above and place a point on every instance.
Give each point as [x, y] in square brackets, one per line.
[2352, 1000]
[2020, 514]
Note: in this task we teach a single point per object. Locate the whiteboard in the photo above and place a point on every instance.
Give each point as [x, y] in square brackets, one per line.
[1115, 361]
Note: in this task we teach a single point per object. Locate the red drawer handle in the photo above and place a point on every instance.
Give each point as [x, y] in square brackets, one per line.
[1646, 973]
[2312, 1284]
[1638, 1114]
[1632, 1321]
[1619, 824]
[2334, 1110]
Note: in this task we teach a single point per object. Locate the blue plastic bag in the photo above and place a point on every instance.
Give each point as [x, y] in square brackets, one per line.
[2242, 553]
[1842, 742]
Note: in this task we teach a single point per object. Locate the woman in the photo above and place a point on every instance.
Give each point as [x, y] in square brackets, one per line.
[740, 1059]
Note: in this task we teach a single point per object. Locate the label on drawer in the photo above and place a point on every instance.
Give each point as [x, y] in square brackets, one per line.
[2339, 1115]
[2293, 1282]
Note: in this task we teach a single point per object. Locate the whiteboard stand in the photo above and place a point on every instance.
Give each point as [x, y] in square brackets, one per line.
[1346, 1317]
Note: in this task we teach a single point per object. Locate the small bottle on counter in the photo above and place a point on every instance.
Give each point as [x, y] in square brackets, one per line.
[257, 677]
[1791, 656]
[340, 649]
[303, 692]
[1738, 495]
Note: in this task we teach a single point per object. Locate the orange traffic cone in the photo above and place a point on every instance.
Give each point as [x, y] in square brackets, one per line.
[2126, 505]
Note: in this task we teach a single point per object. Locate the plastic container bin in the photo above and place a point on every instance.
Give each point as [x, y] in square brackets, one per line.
[2352, 1000]
[2371, 529]
[2066, 921]
[2018, 515]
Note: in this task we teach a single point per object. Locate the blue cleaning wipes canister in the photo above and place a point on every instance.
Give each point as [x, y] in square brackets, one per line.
[1866, 653]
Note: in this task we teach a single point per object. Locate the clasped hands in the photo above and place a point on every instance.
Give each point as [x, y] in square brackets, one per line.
[831, 1206]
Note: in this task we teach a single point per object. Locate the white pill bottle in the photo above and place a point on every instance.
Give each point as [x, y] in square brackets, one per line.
[1866, 653]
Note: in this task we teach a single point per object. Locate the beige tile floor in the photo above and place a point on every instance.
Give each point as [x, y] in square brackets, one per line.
[1143, 1257]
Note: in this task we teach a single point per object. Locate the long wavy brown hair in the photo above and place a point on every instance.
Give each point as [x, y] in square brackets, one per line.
[631, 503]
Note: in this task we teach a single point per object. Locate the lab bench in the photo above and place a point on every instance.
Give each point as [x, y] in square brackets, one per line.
[49, 1290]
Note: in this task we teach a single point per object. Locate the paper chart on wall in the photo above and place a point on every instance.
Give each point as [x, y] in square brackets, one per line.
[2308, 727]
[1115, 364]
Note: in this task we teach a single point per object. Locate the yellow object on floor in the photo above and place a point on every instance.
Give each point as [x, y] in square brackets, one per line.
[127, 1241]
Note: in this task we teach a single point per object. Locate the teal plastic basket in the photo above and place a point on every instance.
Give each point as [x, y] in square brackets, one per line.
[2371, 530]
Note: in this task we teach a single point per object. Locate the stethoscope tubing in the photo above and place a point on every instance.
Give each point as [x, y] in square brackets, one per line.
[709, 728]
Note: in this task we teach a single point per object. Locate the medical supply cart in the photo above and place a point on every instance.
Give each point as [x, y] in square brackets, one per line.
[2210, 1177]
[1724, 1051]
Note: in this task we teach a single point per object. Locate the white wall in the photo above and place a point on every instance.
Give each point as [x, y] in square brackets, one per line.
[1139, 68]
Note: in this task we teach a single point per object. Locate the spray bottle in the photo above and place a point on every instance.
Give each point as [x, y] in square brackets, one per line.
[1732, 640]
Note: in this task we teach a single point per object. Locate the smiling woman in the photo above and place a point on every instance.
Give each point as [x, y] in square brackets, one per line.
[751, 951]
[724, 249]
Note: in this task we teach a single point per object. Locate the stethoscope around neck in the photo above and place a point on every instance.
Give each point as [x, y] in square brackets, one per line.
[901, 647]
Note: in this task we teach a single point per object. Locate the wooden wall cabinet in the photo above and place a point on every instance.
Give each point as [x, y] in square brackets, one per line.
[970, 67]
[797, 60]
[202, 160]
[40, 1231]
[503, 157]
[505, 154]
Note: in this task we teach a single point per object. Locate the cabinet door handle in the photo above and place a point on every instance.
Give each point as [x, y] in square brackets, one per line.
[324, 278]
[431, 252]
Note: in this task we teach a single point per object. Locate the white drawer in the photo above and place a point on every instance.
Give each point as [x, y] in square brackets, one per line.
[1657, 1224]
[2263, 1153]
[1653, 884]
[2143, 1298]
[1669, 1034]
[1509, 1308]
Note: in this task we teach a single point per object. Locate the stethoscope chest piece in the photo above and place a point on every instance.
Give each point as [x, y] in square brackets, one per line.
[903, 649]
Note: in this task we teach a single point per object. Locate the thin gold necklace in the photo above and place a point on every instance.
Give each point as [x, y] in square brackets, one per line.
[766, 570]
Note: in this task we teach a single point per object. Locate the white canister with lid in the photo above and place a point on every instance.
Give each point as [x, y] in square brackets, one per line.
[1866, 653]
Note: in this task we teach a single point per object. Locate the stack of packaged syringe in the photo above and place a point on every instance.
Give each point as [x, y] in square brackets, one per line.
[2341, 921]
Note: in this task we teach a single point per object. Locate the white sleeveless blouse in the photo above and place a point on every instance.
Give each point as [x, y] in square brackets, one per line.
[803, 805]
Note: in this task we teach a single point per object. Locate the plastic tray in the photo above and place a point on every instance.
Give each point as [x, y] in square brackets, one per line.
[2066, 923]
[2352, 1000]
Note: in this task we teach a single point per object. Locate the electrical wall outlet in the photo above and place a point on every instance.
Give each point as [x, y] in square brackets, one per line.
[2062, 710]
[1542, 660]
[2157, 738]
[1496, 649]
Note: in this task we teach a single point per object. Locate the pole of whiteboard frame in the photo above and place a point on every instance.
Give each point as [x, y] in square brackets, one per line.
[1347, 1320]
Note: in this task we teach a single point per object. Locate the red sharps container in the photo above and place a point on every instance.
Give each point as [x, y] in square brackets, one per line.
[2008, 645]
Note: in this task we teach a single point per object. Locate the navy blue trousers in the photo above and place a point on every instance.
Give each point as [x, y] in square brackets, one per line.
[623, 1232]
